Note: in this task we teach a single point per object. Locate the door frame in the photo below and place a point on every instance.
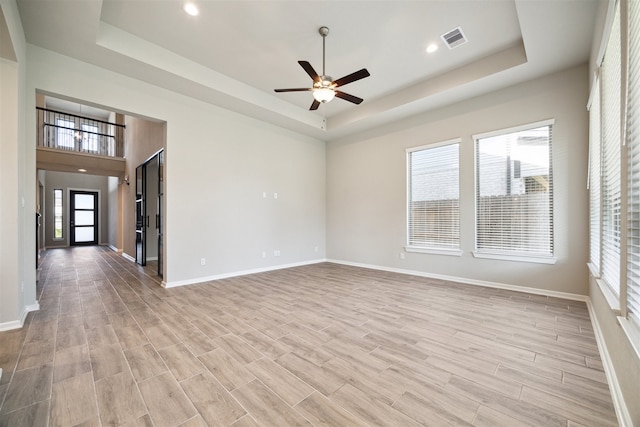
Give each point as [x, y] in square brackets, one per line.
[142, 224]
[141, 214]
[96, 215]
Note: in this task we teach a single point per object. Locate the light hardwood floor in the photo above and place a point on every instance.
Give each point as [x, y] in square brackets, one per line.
[324, 345]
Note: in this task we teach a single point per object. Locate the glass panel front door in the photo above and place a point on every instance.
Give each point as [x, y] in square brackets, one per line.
[84, 217]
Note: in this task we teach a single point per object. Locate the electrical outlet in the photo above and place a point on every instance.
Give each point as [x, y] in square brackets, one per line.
[401, 255]
[264, 254]
[315, 249]
[275, 195]
[203, 261]
[276, 253]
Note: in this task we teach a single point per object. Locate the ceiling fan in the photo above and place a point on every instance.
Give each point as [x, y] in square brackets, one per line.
[324, 87]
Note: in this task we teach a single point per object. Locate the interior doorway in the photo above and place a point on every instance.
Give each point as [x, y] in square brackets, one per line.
[83, 209]
[149, 215]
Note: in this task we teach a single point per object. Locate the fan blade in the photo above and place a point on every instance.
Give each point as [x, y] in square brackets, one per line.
[314, 105]
[348, 97]
[299, 89]
[361, 74]
[309, 69]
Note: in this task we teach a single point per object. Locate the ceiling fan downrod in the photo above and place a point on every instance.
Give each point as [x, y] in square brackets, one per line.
[324, 32]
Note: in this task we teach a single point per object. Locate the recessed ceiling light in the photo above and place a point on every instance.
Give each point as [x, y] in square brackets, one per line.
[82, 170]
[191, 9]
[432, 47]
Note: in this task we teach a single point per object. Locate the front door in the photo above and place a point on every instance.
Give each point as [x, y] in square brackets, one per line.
[83, 207]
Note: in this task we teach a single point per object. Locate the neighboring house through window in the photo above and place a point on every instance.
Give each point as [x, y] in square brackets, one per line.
[514, 194]
[433, 209]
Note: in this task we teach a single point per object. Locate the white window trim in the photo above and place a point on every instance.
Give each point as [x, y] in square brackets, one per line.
[63, 214]
[609, 295]
[520, 258]
[425, 249]
[596, 271]
[435, 251]
[593, 271]
[527, 126]
[434, 145]
[502, 256]
[632, 332]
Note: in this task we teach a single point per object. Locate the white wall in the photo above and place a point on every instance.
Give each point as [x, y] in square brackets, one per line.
[366, 185]
[17, 184]
[218, 164]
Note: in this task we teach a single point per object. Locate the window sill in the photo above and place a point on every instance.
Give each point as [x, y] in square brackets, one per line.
[434, 251]
[612, 299]
[520, 258]
[594, 271]
[633, 334]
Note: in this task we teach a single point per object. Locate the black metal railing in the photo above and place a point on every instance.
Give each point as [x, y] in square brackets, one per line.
[65, 131]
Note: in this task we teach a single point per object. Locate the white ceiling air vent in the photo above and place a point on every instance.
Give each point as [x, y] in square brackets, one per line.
[454, 38]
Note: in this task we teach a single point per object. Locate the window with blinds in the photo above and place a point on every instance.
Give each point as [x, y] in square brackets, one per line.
[594, 179]
[514, 192]
[610, 119]
[633, 158]
[433, 197]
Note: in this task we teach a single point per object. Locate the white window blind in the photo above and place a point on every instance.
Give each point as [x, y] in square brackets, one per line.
[633, 147]
[610, 97]
[594, 179]
[433, 197]
[514, 192]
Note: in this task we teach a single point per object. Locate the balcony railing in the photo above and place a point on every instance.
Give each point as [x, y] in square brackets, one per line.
[64, 131]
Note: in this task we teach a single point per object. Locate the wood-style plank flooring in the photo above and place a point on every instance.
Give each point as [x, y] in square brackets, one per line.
[322, 345]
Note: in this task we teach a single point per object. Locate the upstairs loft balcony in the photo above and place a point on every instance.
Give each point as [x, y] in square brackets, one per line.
[68, 142]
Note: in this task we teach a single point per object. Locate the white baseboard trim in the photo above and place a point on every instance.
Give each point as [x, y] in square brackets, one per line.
[114, 249]
[238, 273]
[152, 258]
[129, 257]
[17, 324]
[14, 324]
[466, 281]
[624, 418]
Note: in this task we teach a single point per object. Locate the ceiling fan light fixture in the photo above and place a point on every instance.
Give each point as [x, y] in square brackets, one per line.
[323, 94]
